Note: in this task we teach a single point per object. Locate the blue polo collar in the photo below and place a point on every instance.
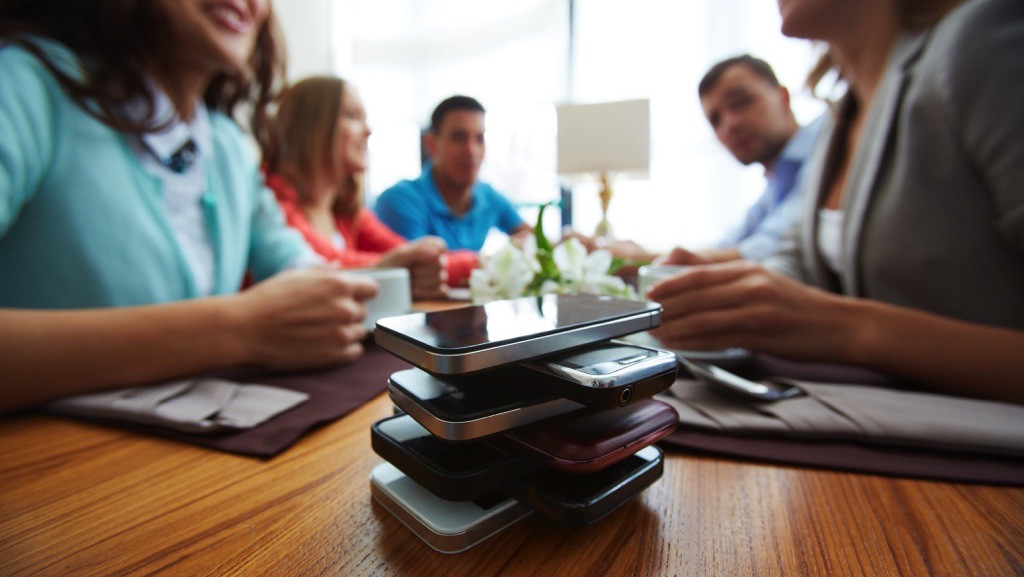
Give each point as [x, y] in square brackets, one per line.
[436, 202]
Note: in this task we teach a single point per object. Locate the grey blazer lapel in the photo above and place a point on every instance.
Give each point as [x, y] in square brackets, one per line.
[871, 150]
[814, 179]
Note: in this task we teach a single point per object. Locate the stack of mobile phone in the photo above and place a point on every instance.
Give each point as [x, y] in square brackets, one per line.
[519, 406]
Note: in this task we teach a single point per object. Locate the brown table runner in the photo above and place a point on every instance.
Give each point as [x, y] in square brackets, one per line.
[332, 394]
[336, 392]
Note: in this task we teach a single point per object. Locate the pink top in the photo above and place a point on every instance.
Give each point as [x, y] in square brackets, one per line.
[366, 237]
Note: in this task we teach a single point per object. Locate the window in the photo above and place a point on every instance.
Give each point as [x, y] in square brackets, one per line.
[405, 56]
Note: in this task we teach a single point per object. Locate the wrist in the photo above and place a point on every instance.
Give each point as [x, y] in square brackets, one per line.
[720, 255]
[233, 329]
[860, 323]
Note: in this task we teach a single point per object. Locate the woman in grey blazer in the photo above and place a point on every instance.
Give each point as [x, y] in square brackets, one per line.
[910, 256]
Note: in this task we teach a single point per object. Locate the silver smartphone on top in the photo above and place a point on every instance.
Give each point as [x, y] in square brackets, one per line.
[469, 339]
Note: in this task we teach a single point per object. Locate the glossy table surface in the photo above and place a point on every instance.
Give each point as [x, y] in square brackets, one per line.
[80, 499]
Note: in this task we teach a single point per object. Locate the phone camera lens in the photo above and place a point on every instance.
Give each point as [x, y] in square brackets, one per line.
[624, 397]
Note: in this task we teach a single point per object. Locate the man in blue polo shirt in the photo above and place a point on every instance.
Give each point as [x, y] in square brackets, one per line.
[447, 200]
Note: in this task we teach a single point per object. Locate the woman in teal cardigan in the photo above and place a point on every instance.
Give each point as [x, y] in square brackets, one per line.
[131, 204]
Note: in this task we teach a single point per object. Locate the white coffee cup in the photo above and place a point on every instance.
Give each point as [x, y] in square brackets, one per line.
[649, 275]
[394, 292]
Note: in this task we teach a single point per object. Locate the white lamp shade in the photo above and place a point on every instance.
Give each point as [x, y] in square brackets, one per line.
[609, 136]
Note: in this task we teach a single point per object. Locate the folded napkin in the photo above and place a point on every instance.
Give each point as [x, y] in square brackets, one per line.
[842, 424]
[852, 412]
[332, 394]
[202, 405]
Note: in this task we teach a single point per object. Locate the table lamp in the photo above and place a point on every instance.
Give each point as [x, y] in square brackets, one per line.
[604, 138]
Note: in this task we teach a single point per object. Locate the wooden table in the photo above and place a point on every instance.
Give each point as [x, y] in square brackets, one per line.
[78, 499]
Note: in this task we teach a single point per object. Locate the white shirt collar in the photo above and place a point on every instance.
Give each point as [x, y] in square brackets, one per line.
[165, 142]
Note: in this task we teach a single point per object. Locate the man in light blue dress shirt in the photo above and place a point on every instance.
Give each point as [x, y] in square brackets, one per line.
[750, 113]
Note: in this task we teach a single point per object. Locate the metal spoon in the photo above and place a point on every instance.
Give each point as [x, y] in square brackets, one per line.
[728, 382]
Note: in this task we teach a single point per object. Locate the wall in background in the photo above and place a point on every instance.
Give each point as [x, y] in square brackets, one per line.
[307, 30]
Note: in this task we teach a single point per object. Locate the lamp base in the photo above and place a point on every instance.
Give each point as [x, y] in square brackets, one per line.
[604, 228]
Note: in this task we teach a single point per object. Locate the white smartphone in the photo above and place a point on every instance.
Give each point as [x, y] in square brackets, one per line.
[469, 339]
[446, 526]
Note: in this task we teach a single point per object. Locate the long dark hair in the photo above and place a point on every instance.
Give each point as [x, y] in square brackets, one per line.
[113, 40]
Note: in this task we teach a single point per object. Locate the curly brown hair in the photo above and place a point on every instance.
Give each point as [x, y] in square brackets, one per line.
[114, 38]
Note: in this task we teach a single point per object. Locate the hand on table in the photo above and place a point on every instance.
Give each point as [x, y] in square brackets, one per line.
[303, 319]
[740, 304]
[425, 259]
[520, 235]
[588, 242]
[680, 255]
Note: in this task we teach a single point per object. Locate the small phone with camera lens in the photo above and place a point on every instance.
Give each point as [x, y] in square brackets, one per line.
[607, 374]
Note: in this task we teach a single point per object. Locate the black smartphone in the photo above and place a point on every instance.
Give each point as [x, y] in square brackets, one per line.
[767, 390]
[608, 374]
[583, 441]
[582, 499]
[469, 339]
[464, 408]
[456, 471]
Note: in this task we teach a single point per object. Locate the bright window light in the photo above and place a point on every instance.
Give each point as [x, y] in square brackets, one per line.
[405, 56]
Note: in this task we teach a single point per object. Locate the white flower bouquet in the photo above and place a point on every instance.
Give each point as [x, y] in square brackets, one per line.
[537, 268]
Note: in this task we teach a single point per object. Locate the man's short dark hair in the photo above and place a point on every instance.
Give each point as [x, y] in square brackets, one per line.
[457, 102]
[758, 66]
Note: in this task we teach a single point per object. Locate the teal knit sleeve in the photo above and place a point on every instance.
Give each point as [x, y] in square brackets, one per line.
[30, 100]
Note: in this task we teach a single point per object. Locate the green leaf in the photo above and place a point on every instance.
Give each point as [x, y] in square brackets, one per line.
[545, 253]
[618, 263]
[538, 231]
